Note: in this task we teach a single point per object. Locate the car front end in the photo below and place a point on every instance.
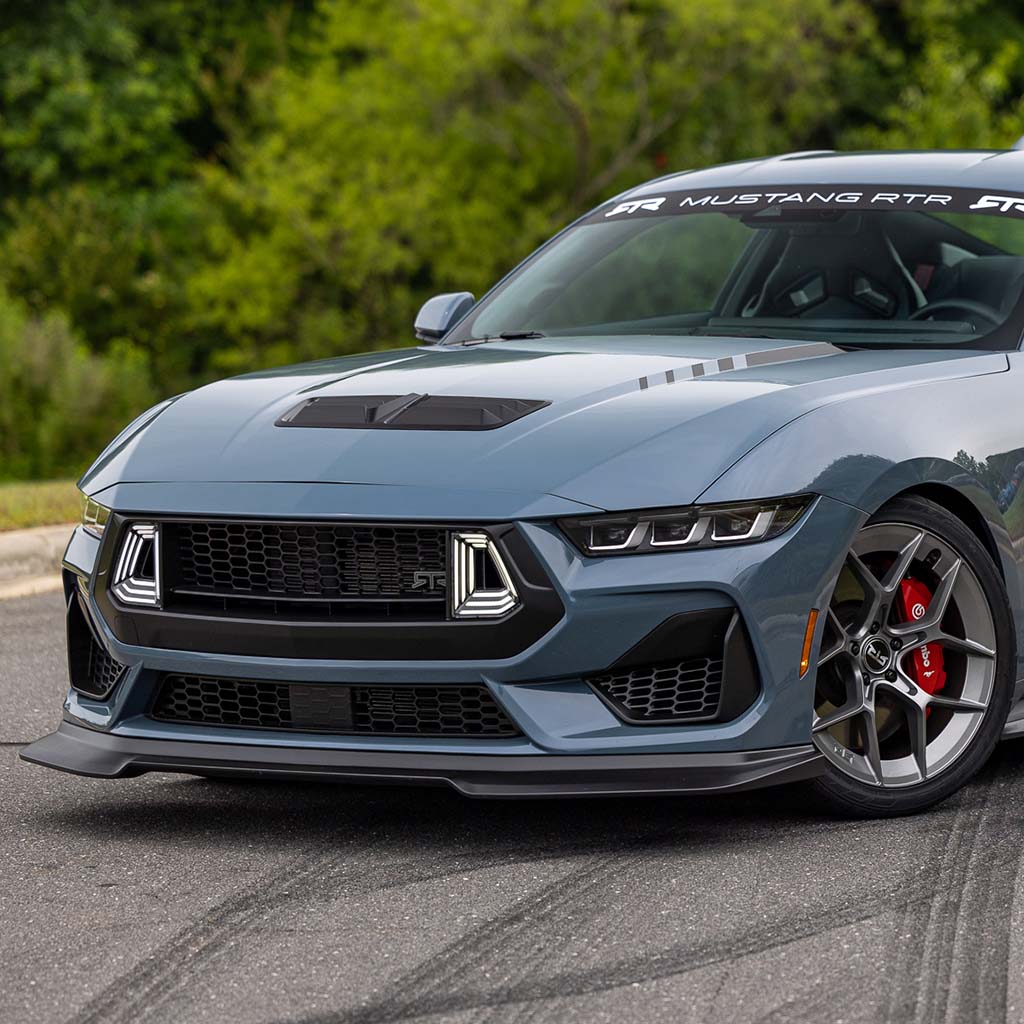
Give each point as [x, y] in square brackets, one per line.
[491, 653]
[601, 532]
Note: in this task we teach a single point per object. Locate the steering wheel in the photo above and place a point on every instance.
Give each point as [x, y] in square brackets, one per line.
[963, 305]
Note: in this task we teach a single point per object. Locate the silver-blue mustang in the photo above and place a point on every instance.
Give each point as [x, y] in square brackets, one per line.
[720, 488]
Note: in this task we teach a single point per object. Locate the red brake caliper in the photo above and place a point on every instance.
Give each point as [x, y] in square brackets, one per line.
[926, 663]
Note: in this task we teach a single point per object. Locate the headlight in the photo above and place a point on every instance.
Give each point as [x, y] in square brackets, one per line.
[94, 516]
[696, 526]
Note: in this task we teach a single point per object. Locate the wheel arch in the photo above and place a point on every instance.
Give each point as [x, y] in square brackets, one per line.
[958, 504]
[957, 490]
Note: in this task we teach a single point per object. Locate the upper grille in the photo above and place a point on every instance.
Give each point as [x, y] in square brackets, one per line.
[679, 691]
[328, 707]
[302, 562]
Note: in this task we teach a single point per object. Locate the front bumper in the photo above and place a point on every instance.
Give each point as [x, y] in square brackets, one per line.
[570, 742]
[102, 755]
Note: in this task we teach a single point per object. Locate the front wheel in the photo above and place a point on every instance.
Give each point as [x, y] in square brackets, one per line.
[915, 675]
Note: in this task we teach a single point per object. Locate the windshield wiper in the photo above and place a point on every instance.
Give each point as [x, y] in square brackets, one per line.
[501, 336]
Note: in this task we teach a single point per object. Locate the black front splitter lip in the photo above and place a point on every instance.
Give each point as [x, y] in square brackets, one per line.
[103, 755]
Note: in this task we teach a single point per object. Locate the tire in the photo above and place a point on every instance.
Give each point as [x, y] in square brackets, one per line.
[859, 780]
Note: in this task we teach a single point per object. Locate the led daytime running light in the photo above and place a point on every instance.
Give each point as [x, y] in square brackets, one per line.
[698, 526]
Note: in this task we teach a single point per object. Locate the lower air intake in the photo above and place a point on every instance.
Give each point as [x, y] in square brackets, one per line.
[680, 691]
[327, 707]
[93, 671]
[696, 666]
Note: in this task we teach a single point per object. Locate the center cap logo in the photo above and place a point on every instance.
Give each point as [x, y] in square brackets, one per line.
[876, 654]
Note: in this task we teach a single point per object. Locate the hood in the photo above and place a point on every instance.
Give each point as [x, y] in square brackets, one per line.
[613, 423]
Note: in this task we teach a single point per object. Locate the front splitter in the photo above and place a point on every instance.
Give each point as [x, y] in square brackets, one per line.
[104, 755]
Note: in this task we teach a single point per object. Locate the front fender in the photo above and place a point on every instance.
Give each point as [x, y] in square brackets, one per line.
[959, 434]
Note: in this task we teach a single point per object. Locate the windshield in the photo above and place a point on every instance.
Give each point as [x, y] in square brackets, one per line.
[851, 265]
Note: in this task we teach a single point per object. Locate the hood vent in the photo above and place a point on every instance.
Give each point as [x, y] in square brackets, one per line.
[408, 412]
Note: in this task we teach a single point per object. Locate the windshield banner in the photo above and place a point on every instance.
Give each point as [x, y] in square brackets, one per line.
[834, 198]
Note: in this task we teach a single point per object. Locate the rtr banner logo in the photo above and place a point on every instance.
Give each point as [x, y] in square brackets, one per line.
[1004, 204]
[637, 204]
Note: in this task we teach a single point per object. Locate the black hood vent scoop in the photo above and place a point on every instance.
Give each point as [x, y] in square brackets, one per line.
[408, 412]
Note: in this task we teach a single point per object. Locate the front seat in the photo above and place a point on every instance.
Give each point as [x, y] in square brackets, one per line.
[845, 269]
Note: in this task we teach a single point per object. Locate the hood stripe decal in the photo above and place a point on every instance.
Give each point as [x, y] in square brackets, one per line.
[766, 357]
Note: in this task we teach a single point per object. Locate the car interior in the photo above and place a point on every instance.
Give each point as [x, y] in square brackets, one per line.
[892, 277]
[902, 266]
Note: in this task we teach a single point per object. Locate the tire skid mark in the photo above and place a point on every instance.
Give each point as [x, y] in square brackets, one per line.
[145, 988]
[515, 939]
[676, 961]
[940, 947]
[438, 983]
[962, 972]
[946, 965]
[528, 953]
[981, 961]
[449, 982]
[671, 962]
[149, 991]
[940, 856]
[811, 1008]
[518, 940]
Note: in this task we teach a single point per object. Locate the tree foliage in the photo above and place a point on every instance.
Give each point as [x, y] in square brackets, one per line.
[217, 186]
[62, 403]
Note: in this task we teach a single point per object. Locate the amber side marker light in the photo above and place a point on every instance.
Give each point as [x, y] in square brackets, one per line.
[805, 657]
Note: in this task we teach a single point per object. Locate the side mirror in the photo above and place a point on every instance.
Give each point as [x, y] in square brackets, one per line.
[436, 315]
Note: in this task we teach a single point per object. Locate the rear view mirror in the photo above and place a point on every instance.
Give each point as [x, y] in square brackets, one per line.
[438, 314]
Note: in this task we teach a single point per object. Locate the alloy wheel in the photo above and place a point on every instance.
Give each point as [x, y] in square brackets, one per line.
[908, 659]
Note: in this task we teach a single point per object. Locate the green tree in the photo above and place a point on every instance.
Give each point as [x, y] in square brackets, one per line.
[107, 109]
[424, 145]
[61, 402]
[954, 79]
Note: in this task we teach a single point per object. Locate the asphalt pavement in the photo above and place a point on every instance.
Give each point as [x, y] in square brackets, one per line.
[175, 900]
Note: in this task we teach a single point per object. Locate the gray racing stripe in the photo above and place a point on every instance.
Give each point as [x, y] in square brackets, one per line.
[712, 367]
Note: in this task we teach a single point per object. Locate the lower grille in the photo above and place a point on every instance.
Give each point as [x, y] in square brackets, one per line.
[326, 707]
[679, 691]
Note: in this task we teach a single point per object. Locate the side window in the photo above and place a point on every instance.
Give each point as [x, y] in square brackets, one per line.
[1005, 233]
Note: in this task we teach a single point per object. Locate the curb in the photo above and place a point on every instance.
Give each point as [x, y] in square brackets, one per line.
[30, 586]
[32, 553]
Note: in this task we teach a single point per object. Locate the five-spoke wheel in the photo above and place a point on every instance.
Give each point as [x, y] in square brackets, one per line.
[912, 665]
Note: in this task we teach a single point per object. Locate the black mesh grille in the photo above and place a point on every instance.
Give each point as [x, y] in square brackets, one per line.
[429, 710]
[92, 670]
[676, 691]
[96, 673]
[104, 671]
[324, 707]
[325, 561]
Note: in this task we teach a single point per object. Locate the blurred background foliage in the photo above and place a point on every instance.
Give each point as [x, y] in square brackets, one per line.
[190, 188]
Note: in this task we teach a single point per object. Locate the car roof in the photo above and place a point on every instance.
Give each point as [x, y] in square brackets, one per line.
[987, 169]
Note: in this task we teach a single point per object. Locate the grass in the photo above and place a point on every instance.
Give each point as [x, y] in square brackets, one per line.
[38, 504]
